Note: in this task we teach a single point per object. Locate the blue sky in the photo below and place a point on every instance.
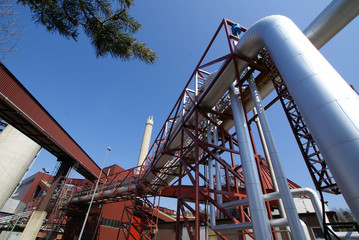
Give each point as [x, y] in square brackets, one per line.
[105, 102]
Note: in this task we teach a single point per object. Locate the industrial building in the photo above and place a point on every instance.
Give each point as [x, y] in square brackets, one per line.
[193, 157]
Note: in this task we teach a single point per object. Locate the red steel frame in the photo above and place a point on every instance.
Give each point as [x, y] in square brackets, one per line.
[185, 176]
[19, 108]
[139, 216]
[195, 151]
[314, 160]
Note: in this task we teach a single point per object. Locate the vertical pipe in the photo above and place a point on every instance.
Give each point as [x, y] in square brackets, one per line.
[290, 209]
[305, 230]
[322, 96]
[145, 143]
[265, 150]
[261, 227]
[212, 212]
[197, 221]
[218, 168]
[270, 167]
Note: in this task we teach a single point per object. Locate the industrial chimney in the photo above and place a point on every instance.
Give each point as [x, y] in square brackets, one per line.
[145, 142]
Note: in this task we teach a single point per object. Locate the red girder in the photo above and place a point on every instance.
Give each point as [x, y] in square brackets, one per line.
[20, 109]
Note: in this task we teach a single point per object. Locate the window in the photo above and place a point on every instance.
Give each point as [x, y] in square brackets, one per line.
[107, 222]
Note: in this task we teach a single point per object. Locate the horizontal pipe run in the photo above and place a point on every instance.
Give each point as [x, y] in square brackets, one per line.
[331, 20]
[87, 197]
[275, 196]
[280, 222]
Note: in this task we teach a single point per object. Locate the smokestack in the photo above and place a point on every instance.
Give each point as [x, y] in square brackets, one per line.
[145, 142]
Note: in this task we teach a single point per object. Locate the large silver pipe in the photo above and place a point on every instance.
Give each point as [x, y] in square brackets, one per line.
[331, 20]
[256, 43]
[228, 75]
[321, 94]
[289, 206]
[257, 207]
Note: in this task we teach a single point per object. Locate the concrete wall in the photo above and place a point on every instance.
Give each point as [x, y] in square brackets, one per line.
[7, 235]
[17, 152]
[13, 206]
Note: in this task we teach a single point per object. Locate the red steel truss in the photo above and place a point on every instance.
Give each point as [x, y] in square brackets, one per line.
[184, 175]
[139, 215]
[20, 109]
[178, 161]
[314, 160]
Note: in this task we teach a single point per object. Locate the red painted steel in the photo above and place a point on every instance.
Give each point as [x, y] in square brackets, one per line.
[317, 167]
[19, 108]
[182, 142]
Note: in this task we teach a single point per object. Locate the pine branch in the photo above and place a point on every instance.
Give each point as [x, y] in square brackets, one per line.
[111, 31]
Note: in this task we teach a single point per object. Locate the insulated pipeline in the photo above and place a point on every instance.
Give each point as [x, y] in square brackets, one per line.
[323, 97]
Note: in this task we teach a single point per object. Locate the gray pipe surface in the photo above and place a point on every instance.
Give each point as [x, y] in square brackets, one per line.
[257, 207]
[212, 211]
[218, 168]
[323, 97]
[331, 20]
[295, 193]
[289, 206]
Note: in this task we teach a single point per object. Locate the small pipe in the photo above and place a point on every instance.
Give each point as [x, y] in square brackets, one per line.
[218, 169]
[265, 150]
[280, 222]
[295, 193]
[315, 201]
[305, 229]
[270, 167]
[212, 211]
[257, 207]
[289, 206]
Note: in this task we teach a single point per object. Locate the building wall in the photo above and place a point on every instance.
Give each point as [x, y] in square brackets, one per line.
[28, 187]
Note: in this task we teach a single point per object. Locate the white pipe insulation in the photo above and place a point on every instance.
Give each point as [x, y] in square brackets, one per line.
[288, 202]
[298, 192]
[337, 7]
[218, 168]
[331, 20]
[257, 208]
[325, 100]
[279, 222]
[212, 210]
